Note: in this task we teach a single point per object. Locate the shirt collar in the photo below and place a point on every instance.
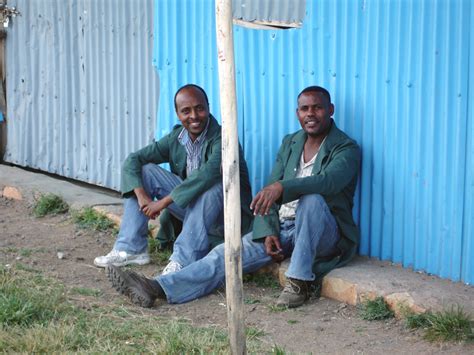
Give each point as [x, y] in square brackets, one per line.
[184, 137]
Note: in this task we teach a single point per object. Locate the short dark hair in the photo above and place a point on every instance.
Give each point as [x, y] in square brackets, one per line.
[190, 86]
[316, 89]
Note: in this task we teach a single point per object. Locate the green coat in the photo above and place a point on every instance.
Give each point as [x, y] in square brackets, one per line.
[334, 177]
[169, 150]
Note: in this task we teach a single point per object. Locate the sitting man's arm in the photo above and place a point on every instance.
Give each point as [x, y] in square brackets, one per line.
[156, 153]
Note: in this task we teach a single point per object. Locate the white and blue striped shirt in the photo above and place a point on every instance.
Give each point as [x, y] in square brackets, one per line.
[193, 149]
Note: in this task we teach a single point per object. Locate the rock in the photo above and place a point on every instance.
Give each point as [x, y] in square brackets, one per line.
[60, 255]
[400, 302]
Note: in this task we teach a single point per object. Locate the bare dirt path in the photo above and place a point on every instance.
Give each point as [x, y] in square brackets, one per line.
[320, 326]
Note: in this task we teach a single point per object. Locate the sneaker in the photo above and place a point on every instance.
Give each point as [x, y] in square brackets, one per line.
[295, 293]
[172, 266]
[121, 258]
[141, 290]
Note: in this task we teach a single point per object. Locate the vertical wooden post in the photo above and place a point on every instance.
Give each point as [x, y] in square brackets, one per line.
[231, 178]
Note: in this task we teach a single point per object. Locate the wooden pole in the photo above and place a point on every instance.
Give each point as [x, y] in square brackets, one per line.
[231, 178]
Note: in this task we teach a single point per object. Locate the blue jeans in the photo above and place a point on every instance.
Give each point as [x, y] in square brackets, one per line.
[312, 233]
[202, 216]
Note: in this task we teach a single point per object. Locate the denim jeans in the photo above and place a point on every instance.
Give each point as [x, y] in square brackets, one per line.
[201, 217]
[312, 233]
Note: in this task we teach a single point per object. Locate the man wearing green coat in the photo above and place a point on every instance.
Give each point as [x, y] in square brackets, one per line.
[191, 192]
[305, 212]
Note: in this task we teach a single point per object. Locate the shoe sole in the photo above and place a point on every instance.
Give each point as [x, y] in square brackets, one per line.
[122, 283]
[128, 262]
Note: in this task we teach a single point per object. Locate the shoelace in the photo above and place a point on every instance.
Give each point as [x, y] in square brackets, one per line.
[292, 287]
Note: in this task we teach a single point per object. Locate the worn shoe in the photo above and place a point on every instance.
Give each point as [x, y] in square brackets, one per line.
[141, 290]
[172, 266]
[121, 258]
[295, 293]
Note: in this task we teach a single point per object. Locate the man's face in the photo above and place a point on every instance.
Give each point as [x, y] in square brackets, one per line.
[314, 113]
[192, 111]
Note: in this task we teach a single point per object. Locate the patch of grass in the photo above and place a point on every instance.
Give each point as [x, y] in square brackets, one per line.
[262, 280]
[274, 308]
[84, 291]
[158, 254]
[27, 268]
[253, 333]
[293, 321]
[27, 299]
[88, 218]
[415, 320]
[278, 350]
[11, 250]
[49, 204]
[449, 325]
[25, 252]
[36, 317]
[375, 309]
[251, 301]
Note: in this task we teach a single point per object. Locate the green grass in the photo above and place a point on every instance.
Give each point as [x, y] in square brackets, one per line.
[375, 309]
[37, 317]
[84, 291]
[27, 298]
[158, 255]
[278, 350]
[292, 321]
[275, 309]
[88, 218]
[49, 204]
[253, 333]
[449, 325]
[262, 280]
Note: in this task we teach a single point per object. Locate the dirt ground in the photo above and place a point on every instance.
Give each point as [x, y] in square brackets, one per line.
[321, 326]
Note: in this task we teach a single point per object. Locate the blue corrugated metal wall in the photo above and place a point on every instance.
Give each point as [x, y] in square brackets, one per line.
[399, 75]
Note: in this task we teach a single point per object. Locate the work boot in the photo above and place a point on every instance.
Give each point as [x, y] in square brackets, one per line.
[141, 290]
[294, 294]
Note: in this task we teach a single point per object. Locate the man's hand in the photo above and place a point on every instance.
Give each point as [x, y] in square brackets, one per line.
[142, 197]
[154, 208]
[273, 248]
[262, 202]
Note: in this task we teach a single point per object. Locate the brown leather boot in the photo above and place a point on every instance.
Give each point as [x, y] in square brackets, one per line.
[141, 290]
[295, 293]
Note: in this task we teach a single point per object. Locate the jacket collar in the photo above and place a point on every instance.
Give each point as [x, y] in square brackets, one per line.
[297, 146]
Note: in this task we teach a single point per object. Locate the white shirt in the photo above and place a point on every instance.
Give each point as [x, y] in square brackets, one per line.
[288, 210]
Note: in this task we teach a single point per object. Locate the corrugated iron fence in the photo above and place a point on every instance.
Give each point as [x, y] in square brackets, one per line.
[81, 88]
[82, 92]
[401, 77]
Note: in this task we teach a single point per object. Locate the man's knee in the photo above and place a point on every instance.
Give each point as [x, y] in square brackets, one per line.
[312, 202]
[214, 192]
[149, 169]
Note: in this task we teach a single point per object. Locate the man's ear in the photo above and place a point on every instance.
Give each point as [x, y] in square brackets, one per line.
[331, 109]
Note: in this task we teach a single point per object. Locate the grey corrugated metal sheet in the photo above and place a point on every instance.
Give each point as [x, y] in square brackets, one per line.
[82, 91]
[400, 79]
[269, 11]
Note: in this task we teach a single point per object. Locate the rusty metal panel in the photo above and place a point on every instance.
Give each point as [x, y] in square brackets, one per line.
[82, 91]
[399, 75]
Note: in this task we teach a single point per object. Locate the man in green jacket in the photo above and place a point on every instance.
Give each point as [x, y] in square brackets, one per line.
[305, 212]
[191, 192]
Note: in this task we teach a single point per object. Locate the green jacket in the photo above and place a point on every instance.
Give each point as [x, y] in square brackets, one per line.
[334, 177]
[169, 150]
